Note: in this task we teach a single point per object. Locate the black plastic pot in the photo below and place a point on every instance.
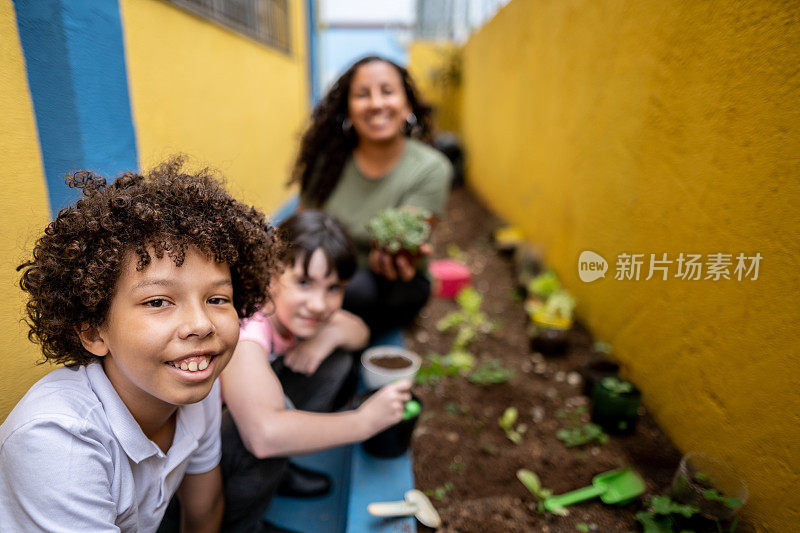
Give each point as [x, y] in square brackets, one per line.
[594, 371]
[394, 440]
[615, 413]
[549, 341]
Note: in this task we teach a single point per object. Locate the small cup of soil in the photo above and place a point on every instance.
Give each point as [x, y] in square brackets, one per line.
[710, 485]
[549, 335]
[381, 365]
[595, 370]
[396, 439]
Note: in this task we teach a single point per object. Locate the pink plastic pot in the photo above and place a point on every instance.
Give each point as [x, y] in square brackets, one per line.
[449, 276]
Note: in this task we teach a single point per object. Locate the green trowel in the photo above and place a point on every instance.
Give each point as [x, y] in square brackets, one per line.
[617, 486]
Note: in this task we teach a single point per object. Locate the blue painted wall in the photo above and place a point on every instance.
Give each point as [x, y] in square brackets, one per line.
[75, 60]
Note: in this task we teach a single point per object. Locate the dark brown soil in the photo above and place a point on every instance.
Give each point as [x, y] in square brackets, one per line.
[458, 440]
[390, 361]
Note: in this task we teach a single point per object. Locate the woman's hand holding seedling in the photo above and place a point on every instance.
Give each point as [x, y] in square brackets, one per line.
[385, 408]
[392, 266]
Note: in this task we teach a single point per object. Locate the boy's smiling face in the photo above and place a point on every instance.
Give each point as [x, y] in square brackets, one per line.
[169, 331]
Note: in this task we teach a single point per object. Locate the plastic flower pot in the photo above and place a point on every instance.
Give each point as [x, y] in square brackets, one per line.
[394, 440]
[507, 239]
[710, 485]
[381, 365]
[549, 335]
[594, 371]
[615, 412]
[449, 277]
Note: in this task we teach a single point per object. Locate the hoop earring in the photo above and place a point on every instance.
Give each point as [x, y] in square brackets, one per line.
[347, 125]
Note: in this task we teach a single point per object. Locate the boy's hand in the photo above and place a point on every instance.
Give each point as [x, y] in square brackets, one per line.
[385, 407]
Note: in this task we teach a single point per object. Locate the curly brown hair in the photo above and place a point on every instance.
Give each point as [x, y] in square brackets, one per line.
[71, 277]
[326, 146]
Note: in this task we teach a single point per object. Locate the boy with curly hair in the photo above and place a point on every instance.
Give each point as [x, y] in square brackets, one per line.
[138, 290]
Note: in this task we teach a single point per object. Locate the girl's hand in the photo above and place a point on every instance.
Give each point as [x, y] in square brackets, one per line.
[385, 407]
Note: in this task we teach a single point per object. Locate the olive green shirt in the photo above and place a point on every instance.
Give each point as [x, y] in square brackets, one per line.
[421, 178]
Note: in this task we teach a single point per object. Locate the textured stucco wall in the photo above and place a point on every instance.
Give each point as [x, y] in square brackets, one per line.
[221, 98]
[662, 127]
[24, 212]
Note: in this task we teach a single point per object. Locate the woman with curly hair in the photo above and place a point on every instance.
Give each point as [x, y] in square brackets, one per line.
[366, 151]
[137, 289]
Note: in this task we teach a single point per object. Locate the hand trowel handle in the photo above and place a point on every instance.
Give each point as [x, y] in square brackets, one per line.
[391, 509]
[562, 500]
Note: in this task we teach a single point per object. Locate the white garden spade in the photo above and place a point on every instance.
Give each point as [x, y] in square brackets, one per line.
[415, 504]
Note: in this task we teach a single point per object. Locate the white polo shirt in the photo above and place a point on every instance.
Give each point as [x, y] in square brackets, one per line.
[72, 457]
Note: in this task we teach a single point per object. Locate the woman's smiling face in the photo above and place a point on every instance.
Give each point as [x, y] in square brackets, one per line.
[169, 331]
[377, 104]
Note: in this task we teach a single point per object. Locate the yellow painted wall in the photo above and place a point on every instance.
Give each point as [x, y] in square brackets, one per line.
[223, 99]
[436, 70]
[662, 126]
[24, 212]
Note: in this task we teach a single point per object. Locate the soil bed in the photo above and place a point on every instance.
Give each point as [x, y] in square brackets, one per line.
[463, 457]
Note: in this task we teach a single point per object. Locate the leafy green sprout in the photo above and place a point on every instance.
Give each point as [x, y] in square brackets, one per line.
[440, 492]
[582, 527]
[468, 321]
[658, 516]
[534, 486]
[401, 228]
[507, 423]
[440, 366]
[457, 466]
[714, 496]
[616, 386]
[544, 284]
[576, 432]
[491, 372]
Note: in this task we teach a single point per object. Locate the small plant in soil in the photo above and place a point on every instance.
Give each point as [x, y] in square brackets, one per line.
[468, 321]
[400, 229]
[578, 432]
[440, 492]
[455, 252]
[440, 366]
[491, 372]
[457, 466]
[543, 285]
[534, 486]
[616, 386]
[507, 423]
[550, 322]
[662, 514]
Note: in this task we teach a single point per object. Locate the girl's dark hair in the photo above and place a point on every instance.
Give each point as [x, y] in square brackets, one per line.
[71, 277]
[325, 146]
[311, 230]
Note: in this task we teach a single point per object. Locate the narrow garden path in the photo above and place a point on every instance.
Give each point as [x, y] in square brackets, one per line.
[464, 460]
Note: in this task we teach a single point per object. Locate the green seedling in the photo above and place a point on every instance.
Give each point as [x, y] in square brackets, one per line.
[583, 528]
[490, 373]
[440, 492]
[602, 347]
[616, 386]
[714, 496]
[578, 432]
[488, 447]
[507, 422]
[534, 486]
[457, 466]
[440, 366]
[400, 229]
[544, 284]
[658, 518]
[468, 321]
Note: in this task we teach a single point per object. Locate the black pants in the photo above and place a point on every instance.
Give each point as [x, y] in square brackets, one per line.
[250, 482]
[385, 305]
